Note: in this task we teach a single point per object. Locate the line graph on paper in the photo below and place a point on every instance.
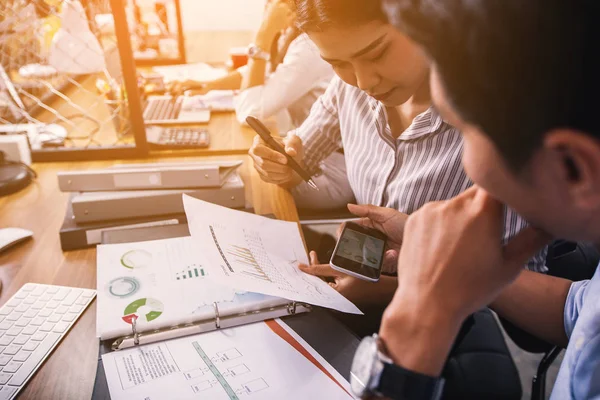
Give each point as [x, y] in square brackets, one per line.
[267, 263]
[246, 254]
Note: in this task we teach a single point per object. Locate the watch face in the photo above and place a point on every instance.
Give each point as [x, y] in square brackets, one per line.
[256, 52]
[362, 366]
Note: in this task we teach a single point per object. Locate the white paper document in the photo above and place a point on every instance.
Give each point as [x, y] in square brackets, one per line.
[200, 72]
[161, 283]
[257, 254]
[215, 100]
[256, 362]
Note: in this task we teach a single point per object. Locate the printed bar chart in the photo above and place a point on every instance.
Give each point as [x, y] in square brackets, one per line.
[192, 272]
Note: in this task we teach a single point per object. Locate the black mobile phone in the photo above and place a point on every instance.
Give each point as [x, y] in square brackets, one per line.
[359, 252]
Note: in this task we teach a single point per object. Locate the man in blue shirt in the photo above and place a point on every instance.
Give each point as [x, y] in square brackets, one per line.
[579, 376]
[521, 80]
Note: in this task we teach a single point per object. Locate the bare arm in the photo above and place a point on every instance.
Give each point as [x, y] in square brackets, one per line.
[386, 288]
[255, 76]
[231, 81]
[536, 303]
[278, 16]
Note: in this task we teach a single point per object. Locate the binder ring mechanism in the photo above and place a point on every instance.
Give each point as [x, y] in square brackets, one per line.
[217, 317]
[136, 336]
[292, 307]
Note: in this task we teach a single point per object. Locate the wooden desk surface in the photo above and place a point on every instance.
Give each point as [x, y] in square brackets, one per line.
[70, 371]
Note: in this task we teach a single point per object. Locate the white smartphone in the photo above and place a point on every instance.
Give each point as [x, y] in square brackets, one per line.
[359, 252]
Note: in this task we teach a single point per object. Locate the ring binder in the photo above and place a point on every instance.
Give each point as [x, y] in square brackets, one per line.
[217, 317]
[219, 322]
[136, 336]
[292, 308]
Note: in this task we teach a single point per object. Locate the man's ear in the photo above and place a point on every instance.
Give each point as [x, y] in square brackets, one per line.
[577, 156]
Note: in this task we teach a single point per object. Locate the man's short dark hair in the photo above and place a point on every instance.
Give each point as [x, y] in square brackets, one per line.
[516, 68]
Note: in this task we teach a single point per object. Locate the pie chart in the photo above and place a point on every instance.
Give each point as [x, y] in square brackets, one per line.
[136, 259]
[123, 286]
[143, 310]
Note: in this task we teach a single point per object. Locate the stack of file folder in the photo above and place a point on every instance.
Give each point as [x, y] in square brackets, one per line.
[141, 195]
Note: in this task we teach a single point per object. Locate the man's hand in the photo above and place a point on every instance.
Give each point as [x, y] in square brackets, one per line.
[358, 291]
[273, 166]
[453, 264]
[387, 220]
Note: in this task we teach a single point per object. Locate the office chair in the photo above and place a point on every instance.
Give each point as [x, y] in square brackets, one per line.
[573, 261]
[480, 365]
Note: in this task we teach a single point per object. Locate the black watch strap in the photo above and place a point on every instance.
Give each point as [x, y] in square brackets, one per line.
[402, 384]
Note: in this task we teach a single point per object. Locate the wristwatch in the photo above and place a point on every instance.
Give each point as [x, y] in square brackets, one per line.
[374, 373]
[256, 53]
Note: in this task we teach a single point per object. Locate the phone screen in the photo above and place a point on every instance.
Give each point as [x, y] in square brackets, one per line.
[359, 252]
[361, 248]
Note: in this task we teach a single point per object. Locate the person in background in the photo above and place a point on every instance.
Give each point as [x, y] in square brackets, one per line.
[284, 75]
[283, 79]
[525, 99]
[399, 152]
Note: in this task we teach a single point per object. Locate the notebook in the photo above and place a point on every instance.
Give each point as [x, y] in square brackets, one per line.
[150, 291]
[215, 100]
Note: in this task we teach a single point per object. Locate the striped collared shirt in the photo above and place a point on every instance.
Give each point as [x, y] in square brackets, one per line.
[423, 164]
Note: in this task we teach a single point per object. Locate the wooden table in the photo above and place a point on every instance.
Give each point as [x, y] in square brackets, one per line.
[70, 371]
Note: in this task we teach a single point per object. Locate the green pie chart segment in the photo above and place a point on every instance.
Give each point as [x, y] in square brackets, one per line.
[144, 309]
[136, 259]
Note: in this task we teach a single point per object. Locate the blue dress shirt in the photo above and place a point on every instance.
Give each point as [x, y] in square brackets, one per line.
[579, 375]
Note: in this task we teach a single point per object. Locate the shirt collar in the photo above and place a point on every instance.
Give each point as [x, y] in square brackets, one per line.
[427, 123]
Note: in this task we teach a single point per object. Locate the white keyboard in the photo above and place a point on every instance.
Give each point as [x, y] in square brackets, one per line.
[32, 323]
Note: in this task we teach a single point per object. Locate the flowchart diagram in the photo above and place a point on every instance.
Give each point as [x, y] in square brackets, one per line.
[219, 373]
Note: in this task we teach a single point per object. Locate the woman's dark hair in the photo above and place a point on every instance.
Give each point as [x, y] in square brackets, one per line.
[516, 68]
[317, 15]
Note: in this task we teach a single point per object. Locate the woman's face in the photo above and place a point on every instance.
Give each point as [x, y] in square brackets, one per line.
[376, 58]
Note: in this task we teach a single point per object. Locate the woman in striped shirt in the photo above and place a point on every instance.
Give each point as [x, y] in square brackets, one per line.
[399, 152]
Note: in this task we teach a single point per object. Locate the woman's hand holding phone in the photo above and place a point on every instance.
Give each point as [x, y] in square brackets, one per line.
[386, 220]
[358, 291]
[359, 252]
